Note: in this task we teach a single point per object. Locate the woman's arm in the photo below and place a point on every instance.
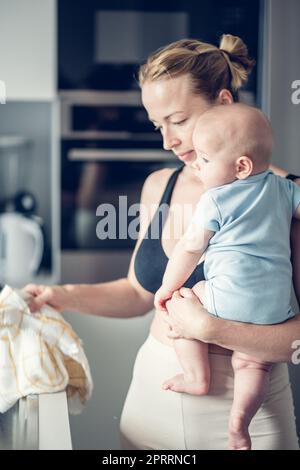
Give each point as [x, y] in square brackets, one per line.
[280, 172]
[122, 298]
[116, 299]
[271, 343]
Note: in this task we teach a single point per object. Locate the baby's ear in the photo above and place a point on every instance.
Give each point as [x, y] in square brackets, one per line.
[244, 167]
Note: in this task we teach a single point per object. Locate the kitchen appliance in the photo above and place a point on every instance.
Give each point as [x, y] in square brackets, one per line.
[21, 248]
[21, 230]
[100, 44]
[15, 152]
[108, 149]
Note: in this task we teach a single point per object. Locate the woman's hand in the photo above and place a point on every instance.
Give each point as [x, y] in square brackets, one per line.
[57, 297]
[297, 181]
[187, 317]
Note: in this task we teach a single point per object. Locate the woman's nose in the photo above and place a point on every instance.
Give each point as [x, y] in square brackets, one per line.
[170, 141]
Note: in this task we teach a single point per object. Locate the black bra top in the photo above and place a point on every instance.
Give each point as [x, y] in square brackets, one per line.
[151, 260]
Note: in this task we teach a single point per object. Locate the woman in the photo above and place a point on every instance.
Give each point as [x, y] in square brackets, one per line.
[178, 84]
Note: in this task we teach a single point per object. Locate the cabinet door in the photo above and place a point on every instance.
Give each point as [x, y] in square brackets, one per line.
[28, 49]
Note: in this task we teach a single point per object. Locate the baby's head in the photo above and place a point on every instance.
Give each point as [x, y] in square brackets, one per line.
[231, 142]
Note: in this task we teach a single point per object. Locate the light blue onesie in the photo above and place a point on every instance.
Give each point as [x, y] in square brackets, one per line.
[247, 263]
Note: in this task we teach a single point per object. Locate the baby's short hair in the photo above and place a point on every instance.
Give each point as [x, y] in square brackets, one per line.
[245, 128]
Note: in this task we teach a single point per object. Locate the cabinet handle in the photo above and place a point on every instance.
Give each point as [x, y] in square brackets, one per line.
[108, 155]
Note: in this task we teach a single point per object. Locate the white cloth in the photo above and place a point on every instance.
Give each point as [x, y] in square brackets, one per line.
[39, 353]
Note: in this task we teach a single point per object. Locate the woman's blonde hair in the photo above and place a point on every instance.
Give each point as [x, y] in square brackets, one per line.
[211, 68]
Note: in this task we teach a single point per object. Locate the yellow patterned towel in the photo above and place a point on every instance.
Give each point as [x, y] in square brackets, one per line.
[39, 353]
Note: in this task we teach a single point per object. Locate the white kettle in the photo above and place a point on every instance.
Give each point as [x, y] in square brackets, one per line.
[21, 248]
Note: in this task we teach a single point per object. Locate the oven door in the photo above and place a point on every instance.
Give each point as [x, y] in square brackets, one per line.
[100, 192]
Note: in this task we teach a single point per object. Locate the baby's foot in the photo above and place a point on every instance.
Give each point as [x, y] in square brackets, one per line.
[184, 384]
[239, 437]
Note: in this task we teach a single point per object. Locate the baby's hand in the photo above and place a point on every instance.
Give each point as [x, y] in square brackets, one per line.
[161, 297]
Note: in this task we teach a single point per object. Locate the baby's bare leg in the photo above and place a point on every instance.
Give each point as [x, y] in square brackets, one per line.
[251, 379]
[193, 356]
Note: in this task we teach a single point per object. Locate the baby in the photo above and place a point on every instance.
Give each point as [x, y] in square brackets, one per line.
[242, 223]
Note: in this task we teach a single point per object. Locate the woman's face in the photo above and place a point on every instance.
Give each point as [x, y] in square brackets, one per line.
[174, 110]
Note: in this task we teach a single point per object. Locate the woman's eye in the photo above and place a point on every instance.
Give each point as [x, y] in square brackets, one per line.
[179, 122]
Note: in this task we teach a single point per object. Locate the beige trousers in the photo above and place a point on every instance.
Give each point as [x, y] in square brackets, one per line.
[153, 418]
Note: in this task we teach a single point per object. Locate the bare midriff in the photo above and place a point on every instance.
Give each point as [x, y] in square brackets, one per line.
[159, 329]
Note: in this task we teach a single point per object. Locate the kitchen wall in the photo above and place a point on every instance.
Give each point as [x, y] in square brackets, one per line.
[29, 70]
[281, 67]
[28, 49]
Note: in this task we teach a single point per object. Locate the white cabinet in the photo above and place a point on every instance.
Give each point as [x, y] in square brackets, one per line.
[28, 49]
[37, 422]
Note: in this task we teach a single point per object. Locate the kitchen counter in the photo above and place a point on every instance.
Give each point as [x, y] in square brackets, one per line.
[37, 422]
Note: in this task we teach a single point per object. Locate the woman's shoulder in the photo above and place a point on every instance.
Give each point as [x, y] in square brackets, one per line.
[155, 183]
[159, 177]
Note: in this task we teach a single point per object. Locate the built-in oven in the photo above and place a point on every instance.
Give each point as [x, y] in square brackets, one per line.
[102, 43]
[108, 148]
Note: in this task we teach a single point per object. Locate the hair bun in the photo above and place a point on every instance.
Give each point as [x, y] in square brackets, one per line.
[236, 53]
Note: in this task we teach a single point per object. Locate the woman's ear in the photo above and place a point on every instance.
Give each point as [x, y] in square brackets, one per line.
[225, 97]
[244, 167]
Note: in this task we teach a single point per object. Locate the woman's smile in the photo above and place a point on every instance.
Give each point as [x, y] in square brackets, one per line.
[187, 156]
